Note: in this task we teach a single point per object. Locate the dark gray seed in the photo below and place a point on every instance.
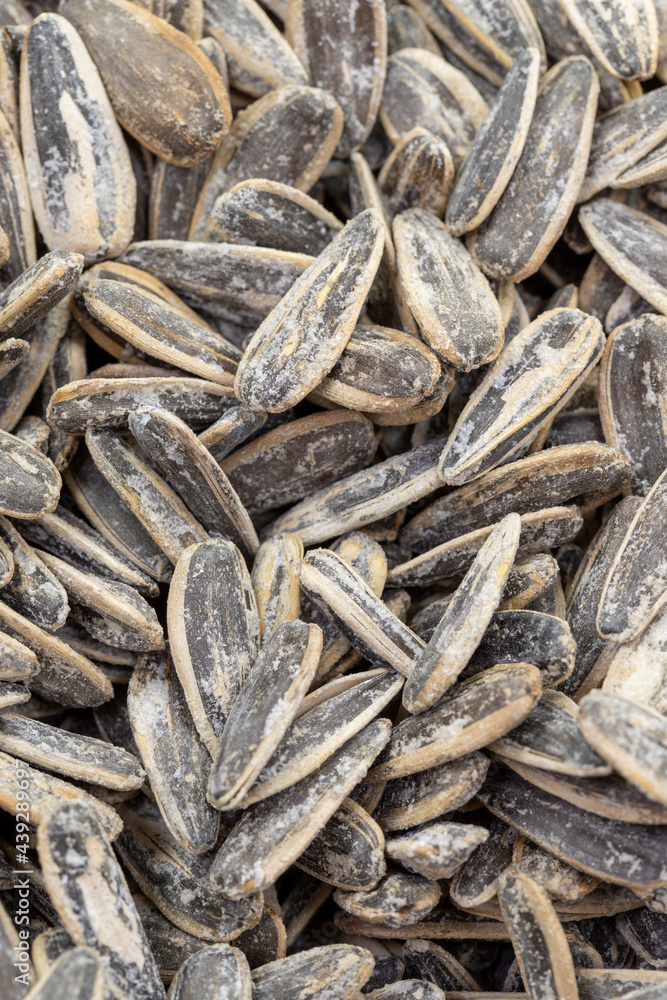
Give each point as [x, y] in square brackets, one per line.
[82, 185]
[563, 883]
[33, 590]
[477, 881]
[398, 900]
[15, 209]
[551, 739]
[306, 897]
[644, 931]
[80, 871]
[473, 714]
[240, 284]
[266, 941]
[170, 945]
[173, 196]
[265, 213]
[17, 662]
[156, 505]
[418, 173]
[186, 15]
[271, 835]
[218, 972]
[268, 139]
[178, 882]
[77, 975]
[542, 194]
[112, 517]
[623, 37]
[348, 852]
[213, 632]
[332, 972]
[532, 379]
[175, 760]
[191, 469]
[416, 798]
[436, 850]
[68, 363]
[407, 30]
[180, 113]
[230, 430]
[622, 853]
[12, 352]
[13, 694]
[433, 964]
[299, 458]
[37, 290]
[265, 707]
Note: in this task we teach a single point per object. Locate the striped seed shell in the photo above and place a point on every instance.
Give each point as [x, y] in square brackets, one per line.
[77, 975]
[335, 971]
[465, 621]
[192, 470]
[531, 380]
[651, 168]
[561, 881]
[37, 290]
[451, 300]
[17, 662]
[476, 882]
[275, 581]
[81, 181]
[538, 938]
[231, 430]
[436, 850]
[418, 173]
[303, 337]
[220, 969]
[186, 15]
[348, 852]
[638, 670]
[635, 588]
[271, 835]
[33, 590]
[398, 900]
[275, 685]
[497, 147]
[264, 213]
[161, 512]
[164, 90]
[344, 50]
[268, 140]
[259, 59]
[436, 965]
[81, 875]
[623, 36]
[172, 198]
[12, 352]
[471, 716]
[542, 190]
[15, 208]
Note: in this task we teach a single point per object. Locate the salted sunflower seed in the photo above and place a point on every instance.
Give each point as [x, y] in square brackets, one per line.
[622, 853]
[37, 290]
[271, 835]
[417, 798]
[265, 707]
[637, 670]
[476, 882]
[543, 366]
[76, 975]
[17, 662]
[162, 513]
[561, 881]
[299, 458]
[268, 214]
[219, 967]
[399, 899]
[175, 760]
[318, 733]
[15, 211]
[268, 140]
[344, 51]
[173, 195]
[181, 116]
[538, 937]
[64, 676]
[335, 971]
[348, 852]
[177, 881]
[73, 146]
[259, 58]
[212, 651]
[192, 470]
[418, 173]
[80, 871]
[12, 353]
[635, 591]
[562, 122]
[434, 964]
[624, 38]
[13, 694]
[473, 714]
[465, 620]
[644, 931]
[436, 850]
[231, 430]
[551, 739]
[33, 589]
[497, 147]
[186, 15]
[300, 341]
[275, 581]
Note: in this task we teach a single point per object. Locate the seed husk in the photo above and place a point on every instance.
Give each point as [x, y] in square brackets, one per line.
[65, 108]
[32, 589]
[398, 900]
[418, 173]
[436, 850]
[435, 965]
[176, 762]
[15, 213]
[13, 694]
[76, 975]
[348, 852]
[624, 39]
[473, 715]
[561, 881]
[180, 116]
[80, 871]
[275, 581]
[173, 196]
[276, 683]
[213, 650]
[191, 469]
[265, 213]
[476, 882]
[219, 967]
[37, 290]
[465, 620]
[17, 662]
[335, 971]
[636, 670]
[12, 353]
[271, 835]
[231, 430]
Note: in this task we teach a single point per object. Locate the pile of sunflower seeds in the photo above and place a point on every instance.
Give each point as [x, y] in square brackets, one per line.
[333, 499]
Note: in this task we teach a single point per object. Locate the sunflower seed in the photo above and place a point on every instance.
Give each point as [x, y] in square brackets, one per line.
[645, 932]
[176, 762]
[435, 965]
[443, 923]
[173, 196]
[265, 942]
[333, 972]
[624, 39]
[271, 835]
[37, 290]
[465, 621]
[212, 652]
[398, 900]
[17, 662]
[68, 131]
[595, 983]
[548, 360]
[561, 881]
[77, 975]
[417, 798]
[12, 353]
[186, 15]
[275, 581]
[438, 277]
[218, 969]
[636, 670]
[348, 852]
[180, 116]
[81, 871]
[476, 882]
[15, 212]
[474, 714]
[418, 173]
[437, 850]
[276, 683]
[33, 589]
[13, 694]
